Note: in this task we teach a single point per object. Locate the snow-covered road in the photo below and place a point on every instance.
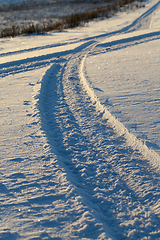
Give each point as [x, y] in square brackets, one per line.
[75, 107]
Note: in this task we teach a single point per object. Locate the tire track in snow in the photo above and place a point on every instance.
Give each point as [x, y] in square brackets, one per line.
[37, 199]
[54, 112]
[145, 19]
[114, 179]
[26, 64]
[137, 188]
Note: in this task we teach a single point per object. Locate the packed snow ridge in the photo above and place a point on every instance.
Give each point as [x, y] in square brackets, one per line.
[80, 139]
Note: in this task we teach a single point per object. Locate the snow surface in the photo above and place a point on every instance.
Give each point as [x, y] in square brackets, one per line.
[80, 131]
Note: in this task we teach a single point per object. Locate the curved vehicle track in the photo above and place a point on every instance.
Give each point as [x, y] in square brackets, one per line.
[115, 179]
[70, 169]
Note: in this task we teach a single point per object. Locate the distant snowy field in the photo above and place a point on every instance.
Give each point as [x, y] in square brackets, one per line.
[79, 142]
[23, 12]
[3, 2]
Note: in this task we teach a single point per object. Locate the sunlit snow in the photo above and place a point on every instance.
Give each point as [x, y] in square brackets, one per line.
[80, 148]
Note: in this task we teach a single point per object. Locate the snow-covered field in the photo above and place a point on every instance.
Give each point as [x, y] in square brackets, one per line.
[21, 13]
[80, 139]
[5, 2]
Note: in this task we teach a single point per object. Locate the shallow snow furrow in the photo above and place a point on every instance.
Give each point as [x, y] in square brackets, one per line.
[125, 42]
[28, 50]
[109, 175]
[122, 160]
[91, 184]
[22, 66]
[37, 200]
[55, 114]
[145, 19]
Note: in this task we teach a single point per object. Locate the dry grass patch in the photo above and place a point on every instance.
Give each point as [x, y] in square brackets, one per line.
[69, 21]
